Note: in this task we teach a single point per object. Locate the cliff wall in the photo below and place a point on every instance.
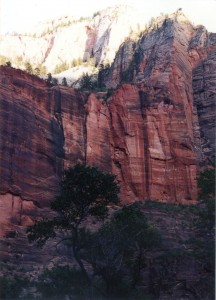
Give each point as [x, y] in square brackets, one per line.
[146, 141]
[154, 131]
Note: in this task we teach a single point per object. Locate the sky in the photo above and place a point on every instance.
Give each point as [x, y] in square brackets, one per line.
[23, 15]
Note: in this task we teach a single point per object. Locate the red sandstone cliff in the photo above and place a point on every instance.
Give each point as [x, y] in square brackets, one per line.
[153, 133]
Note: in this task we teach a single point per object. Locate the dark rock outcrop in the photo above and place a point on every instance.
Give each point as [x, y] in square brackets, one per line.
[204, 87]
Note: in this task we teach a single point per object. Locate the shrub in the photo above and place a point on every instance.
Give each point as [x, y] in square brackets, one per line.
[64, 82]
[40, 70]
[117, 251]
[3, 60]
[61, 282]
[12, 288]
[76, 62]
[55, 81]
[61, 67]
[206, 184]
[28, 67]
[8, 64]
[49, 78]
[86, 82]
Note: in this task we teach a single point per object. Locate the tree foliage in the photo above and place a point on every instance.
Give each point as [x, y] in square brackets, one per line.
[63, 66]
[3, 60]
[117, 250]
[76, 62]
[60, 282]
[8, 64]
[11, 288]
[85, 191]
[64, 81]
[206, 184]
[204, 242]
[102, 75]
[40, 70]
[54, 81]
[86, 82]
[28, 67]
[49, 78]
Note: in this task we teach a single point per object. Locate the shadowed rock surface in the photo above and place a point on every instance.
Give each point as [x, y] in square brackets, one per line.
[154, 131]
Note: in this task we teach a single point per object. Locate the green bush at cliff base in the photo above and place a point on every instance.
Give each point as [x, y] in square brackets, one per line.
[116, 252]
[206, 184]
[61, 282]
[12, 288]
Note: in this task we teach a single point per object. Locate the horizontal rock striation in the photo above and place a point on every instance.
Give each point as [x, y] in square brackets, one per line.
[204, 88]
[37, 134]
[153, 132]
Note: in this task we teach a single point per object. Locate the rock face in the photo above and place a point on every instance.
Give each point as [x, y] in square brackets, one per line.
[66, 39]
[154, 132]
[152, 151]
[35, 141]
[204, 75]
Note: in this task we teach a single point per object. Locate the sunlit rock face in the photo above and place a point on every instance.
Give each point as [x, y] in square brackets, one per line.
[66, 39]
[154, 131]
[153, 155]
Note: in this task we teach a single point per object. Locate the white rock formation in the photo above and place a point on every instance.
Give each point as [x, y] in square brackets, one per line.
[65, 39]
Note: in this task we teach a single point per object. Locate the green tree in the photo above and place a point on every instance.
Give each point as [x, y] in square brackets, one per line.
[64, 82]
[203, 242]
[206, 184]
[85, 191]
[86, 82]
[8, 64]
[100, 75]
[40, 70]
[80, 61]
[61, 67]
[49, 78]
[60, 282]
[11, 288]
[74, 63]
[28, 67]
[117, 250]
[54, 81]
[37, 71]
[19, 60]
[3, 60]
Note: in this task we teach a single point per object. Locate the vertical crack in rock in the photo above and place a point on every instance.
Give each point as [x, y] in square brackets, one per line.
[85, 137]
[57, 132]
[143, 106]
